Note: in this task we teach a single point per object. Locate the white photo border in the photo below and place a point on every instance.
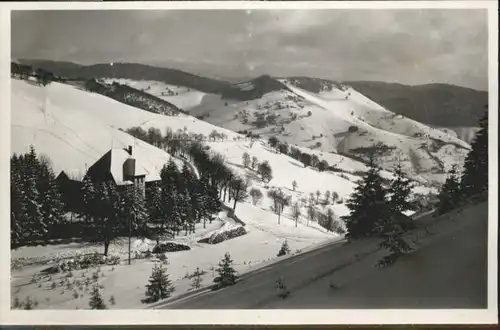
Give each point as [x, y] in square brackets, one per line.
[271, 317]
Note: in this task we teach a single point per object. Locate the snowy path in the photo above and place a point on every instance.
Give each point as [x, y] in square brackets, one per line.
[430, 277]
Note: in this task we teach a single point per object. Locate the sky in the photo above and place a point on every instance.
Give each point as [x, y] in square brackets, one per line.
[413, 46]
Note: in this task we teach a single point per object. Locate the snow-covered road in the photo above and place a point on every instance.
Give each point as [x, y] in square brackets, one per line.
[449, 270]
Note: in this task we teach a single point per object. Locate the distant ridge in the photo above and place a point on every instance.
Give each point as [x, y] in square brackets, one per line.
[131, 71]
[433, 104]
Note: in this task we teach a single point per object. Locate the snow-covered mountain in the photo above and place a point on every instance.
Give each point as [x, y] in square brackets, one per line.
[337, 119]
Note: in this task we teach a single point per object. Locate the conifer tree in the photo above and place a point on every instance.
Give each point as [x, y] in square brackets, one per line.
[197, 279]
[283, 291]
[88, 198]
[135, 208]
[108, 210]
[196, 202]
[205, 208]
[183, 201]
[160, 286]
[96, 301]
[169, 202]
[475, 175]
[187, 177]
[170, 174]
[400, 191]
[246, 160]
[35, 224]
[227, 274]
[52, 207]
[450, 195]
[367, 204]
[17, 210]
[285, 249]
[155, 210]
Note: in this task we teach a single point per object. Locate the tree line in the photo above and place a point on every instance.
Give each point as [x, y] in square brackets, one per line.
[36, 203]
[25, 71]
[473, 180]
[376, 208]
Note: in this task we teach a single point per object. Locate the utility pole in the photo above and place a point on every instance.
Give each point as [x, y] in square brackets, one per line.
[130, 223]
[129, 236]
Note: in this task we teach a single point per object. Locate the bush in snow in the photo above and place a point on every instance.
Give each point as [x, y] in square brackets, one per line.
[285, 249]
[227, 274]
[82, 262]
[169, 247]
[96, 301]
[197, 279]
[159, 287]
[225, 235]
[283, 292]
[256, 195]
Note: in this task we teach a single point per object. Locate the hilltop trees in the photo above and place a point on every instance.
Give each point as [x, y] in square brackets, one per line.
[246, 159]
[238, 191]
[280, 200]
[265, 171]
[274, 142]
[256, 195]
[306, 159]
[323, 165]
[294, 185]
[296, 213]
[255, 162]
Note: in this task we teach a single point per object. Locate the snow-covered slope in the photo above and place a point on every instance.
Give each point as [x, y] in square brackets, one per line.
[339, 120]
[285, 171]
[464, 133]
[180, 96]
[98, 108]
[60, 122]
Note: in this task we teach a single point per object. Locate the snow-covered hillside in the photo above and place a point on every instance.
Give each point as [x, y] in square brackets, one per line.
[180, 96]
[466, 134]
[339, 120]
[60, 121]
[73, 103]
[75, 128]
